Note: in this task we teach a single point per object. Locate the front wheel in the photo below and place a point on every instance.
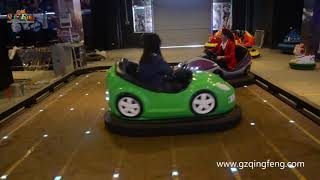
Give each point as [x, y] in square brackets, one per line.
[203, 103]
[129, 106]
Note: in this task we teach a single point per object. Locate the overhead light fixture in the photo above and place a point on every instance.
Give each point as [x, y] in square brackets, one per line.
[50, 13]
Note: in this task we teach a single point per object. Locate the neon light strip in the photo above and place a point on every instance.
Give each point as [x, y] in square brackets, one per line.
[50, 13]
[186, 46]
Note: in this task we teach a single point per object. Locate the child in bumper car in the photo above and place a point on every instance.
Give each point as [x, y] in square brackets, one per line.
[153, 70]
[224, 55]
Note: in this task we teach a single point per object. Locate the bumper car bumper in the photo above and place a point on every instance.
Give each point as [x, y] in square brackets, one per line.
[241, 81]
[172, 126]
[254, 53]
[297, 66]
[210, 45]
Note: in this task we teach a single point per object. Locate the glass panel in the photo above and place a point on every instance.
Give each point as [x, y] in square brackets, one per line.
[142, 16]
[221, 16]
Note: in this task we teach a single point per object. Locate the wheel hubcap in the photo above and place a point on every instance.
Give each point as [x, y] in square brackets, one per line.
[203, 103]
[129, 106]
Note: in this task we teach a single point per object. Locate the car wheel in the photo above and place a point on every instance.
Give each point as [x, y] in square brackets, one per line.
[129, 106]
[203, 103]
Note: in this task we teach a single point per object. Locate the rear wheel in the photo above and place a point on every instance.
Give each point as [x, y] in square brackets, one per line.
[129, 106]
[203, 103]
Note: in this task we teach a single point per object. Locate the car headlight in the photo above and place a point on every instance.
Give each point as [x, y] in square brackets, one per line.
[107, 96]
[232, 98]
[223, 87]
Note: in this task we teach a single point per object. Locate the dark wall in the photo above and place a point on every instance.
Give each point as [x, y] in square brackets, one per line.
[287, 13]
[106, 24]
[262, 18]
[307, 24]
[5, 72]
[275, 17]
[239, 11]
[316, 29]
[111, 29]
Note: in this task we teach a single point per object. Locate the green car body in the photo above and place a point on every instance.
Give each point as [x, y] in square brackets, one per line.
[158, 106]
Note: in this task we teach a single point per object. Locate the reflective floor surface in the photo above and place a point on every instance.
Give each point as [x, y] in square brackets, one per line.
[64, 137]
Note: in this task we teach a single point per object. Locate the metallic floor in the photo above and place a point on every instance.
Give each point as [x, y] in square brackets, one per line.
[64, 137]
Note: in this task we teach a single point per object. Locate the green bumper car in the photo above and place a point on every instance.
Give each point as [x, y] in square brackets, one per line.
[187, 102]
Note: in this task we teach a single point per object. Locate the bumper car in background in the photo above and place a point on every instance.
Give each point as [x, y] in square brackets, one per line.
[244, 38]
[301, 61]
[240, 76]
[189, 102]
[214, 40]
[290, 41]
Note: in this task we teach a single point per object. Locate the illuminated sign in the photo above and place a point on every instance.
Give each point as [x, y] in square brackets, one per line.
[21, 16]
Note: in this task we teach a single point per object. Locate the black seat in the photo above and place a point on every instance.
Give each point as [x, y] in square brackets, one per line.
[128, 71]
[241, 53]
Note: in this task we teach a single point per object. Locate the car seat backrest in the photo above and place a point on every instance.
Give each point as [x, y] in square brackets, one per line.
[241, 53]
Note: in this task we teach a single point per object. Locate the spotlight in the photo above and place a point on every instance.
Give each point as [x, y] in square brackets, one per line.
[4, 177]
[45, 136]
[291, 166]
[116, 175]
[291, 121]
[234, 170]
[5, 137]
[71, 109]
[175, 173]
[252, 124]
[88, 132]
[57, 178]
